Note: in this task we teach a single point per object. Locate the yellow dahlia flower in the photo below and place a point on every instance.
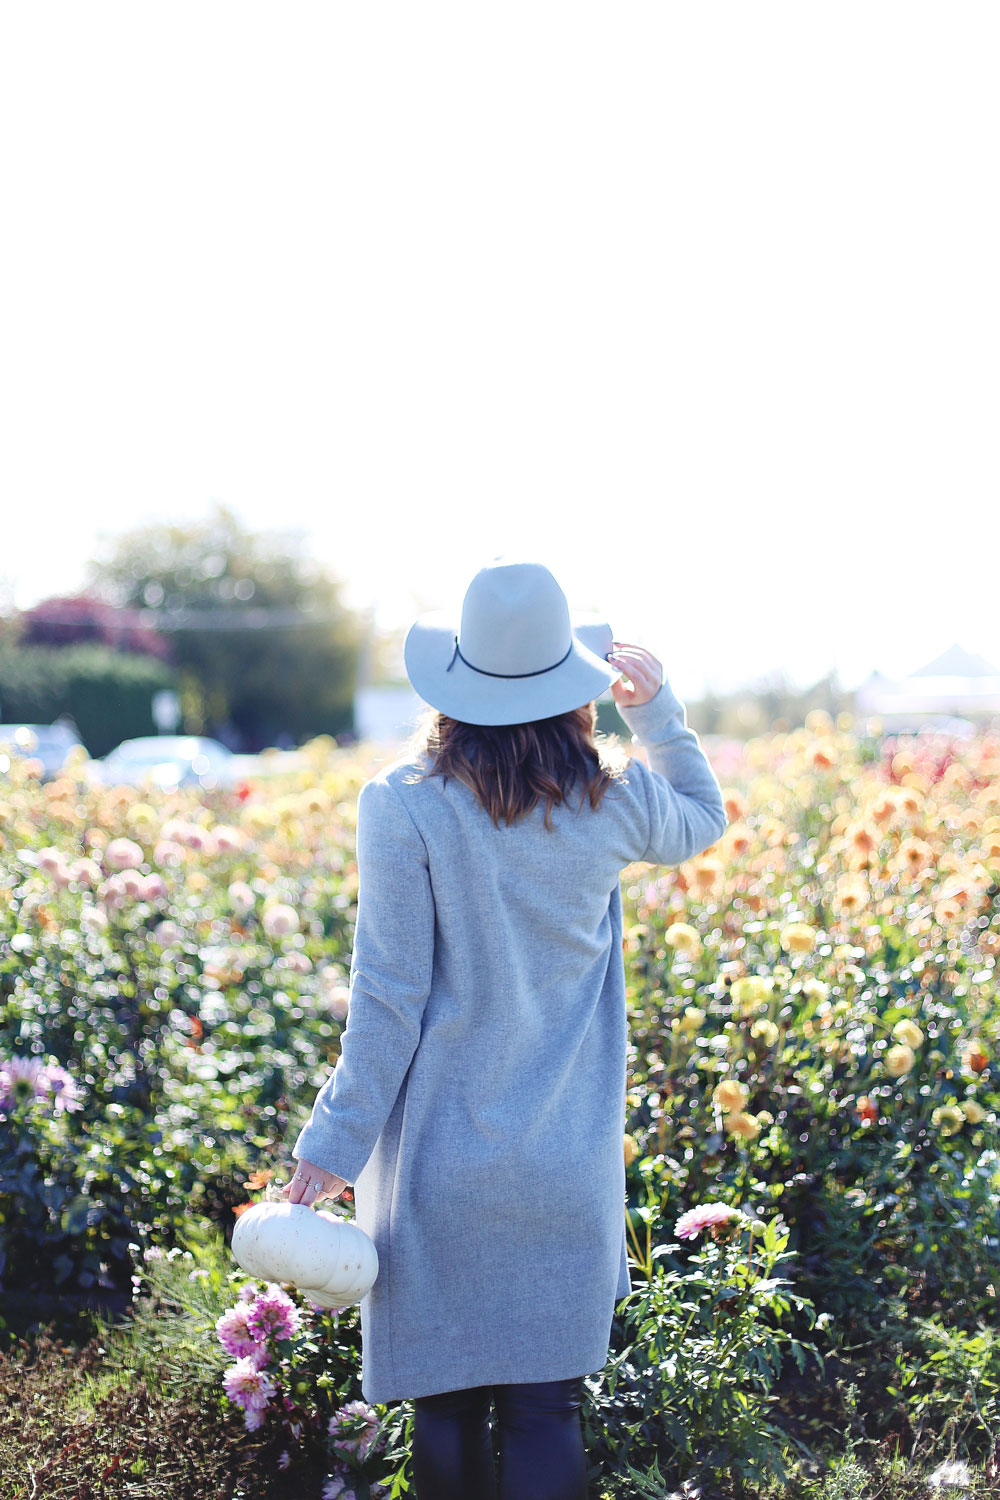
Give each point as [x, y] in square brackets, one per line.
[741, 1124]
[692, 1020]
[948, 1118]
[730, 1094]
[908, 1032]
[752, 989]
[899, 1060]
[683, 937]
[140, 815]
[973, 1111]
[798, 937]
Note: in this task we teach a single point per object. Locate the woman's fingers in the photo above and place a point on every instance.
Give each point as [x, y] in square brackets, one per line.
[300, 1190]
[635, 653]
[643, 670]
[311, 1182]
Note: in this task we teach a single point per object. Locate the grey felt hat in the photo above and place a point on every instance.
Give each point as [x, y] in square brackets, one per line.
[516, 654]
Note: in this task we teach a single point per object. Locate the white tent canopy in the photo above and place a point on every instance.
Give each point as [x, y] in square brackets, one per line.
[955, 683]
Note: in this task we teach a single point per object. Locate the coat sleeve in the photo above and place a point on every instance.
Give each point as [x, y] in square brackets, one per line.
[685, 810]
[390, 981]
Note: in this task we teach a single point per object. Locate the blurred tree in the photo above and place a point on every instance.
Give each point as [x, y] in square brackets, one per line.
[262, 643]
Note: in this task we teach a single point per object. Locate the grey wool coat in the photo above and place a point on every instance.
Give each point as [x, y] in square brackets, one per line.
[478, 1102]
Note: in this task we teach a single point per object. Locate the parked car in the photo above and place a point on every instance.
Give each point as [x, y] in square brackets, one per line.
[895, 725]
[168, 761]
[49, 743]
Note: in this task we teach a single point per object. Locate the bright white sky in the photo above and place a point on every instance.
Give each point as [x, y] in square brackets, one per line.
[697, 304]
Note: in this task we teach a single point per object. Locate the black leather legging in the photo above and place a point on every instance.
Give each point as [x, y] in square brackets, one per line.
[540, 1443]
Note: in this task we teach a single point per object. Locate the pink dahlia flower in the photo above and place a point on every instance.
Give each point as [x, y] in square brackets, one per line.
[181, 830]
[335, 1489]
[169, 852]
[85, 872]
[705, 1217]
[359, 1442]
[229, 839]
[133, 883]
[233, 1334]
[273, 1311]
[112, 891]
[123, 854]
[253, 1419]
[247, 1386]
[301, 963]
[154, 887]
[241, 895]
[280, 920]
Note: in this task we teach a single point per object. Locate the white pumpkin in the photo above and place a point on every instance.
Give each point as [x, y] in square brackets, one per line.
[318, 1252]
[325, 1299]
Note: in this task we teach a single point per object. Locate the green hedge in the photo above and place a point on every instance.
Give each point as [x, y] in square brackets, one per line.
[108, 693]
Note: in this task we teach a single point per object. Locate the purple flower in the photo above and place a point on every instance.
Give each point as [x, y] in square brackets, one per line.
[273, 1311]
[19, 1080]
[63, 1088]
[24, 1079]
[252, 1419]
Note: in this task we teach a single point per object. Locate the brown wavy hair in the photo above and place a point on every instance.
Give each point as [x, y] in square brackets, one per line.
[510, 767]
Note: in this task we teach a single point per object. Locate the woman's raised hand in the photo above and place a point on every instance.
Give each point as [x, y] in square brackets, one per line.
[641, 668]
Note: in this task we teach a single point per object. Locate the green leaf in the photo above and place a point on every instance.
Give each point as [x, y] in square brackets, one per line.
[77, 1215]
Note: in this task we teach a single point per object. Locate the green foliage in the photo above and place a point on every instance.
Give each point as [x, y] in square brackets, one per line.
[196, 1049]
[259, 634]
[197, 1039]
[170, 1337]
[108, 693]
[948, 1379]
[889, 1181]
[689, 1392]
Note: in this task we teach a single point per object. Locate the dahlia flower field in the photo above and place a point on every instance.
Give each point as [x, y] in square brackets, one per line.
[810, 1138]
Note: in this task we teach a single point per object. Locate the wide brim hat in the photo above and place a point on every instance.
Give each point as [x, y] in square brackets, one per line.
[513, 654]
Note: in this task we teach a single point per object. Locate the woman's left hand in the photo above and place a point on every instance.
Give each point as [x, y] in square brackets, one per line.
[310, 1182]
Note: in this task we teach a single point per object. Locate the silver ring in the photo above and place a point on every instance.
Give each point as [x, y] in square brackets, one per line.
[316, 1183]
